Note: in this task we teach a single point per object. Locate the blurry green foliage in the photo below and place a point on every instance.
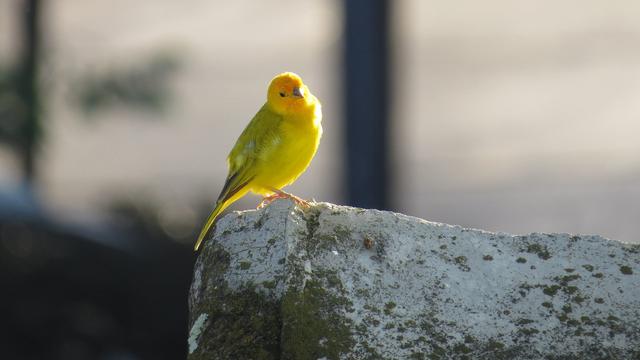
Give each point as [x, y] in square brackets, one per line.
[143, 86]
[12, 108]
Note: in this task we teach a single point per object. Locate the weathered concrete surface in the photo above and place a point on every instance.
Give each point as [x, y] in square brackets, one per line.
[338, 282]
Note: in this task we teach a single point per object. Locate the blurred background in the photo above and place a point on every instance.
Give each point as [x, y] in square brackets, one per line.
[116, 118]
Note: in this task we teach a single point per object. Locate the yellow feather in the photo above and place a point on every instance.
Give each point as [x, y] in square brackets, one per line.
[275, 148]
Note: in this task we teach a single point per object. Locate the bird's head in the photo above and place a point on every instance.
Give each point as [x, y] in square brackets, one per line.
[288, 94]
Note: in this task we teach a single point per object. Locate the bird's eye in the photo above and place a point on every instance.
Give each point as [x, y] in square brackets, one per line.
[281, 94]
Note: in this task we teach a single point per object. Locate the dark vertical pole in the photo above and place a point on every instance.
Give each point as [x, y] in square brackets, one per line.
[367, 102]
[28, 87]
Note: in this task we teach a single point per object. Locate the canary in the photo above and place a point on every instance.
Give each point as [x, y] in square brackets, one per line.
[274, 149]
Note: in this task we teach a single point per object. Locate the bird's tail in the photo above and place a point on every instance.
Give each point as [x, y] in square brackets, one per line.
[221, 205]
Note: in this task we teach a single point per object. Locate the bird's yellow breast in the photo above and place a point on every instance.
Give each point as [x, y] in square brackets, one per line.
[292, 150]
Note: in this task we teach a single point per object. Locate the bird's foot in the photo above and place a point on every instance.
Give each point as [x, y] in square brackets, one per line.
[299, 201]
[268, 199]
[279, 194]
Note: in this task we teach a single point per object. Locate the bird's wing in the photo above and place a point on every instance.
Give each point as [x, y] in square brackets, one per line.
[253, 145]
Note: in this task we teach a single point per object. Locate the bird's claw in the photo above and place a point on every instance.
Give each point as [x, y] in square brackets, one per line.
[300, 202]
[268, 199]
[279, 194]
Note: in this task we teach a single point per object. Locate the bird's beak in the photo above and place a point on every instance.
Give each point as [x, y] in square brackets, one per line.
[298, 92]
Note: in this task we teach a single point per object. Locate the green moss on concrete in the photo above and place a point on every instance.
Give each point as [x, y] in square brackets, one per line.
[524, 321]
[550, 290]
[493, 345]
[388, 307]
[626, 270]
[371, 308]
[588, 267]
[528, 331]
[573, 322]
[461, 349]
[312, 219]
[242, 323]
[315, 242]
[342, 233]
[540, 250]
[334, 281]
[566, 279]
[631, 248]
[578, 299]
[370, 320]
[314, 306]
[461, 261]
[430, 328]
[410, 324]
[314, 325]
[570, 289]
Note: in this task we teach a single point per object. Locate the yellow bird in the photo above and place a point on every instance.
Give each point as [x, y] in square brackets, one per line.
[274, 149]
